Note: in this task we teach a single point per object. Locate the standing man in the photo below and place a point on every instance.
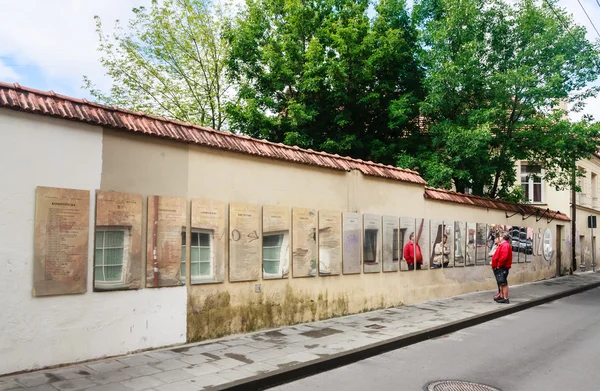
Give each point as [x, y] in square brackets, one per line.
[412, 252]
[501, 263]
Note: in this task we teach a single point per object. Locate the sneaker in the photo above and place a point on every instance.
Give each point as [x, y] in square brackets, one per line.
[498, 298]
[503, 301]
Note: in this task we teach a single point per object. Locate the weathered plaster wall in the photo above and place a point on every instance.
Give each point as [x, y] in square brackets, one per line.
[46, 331]
[219, 309]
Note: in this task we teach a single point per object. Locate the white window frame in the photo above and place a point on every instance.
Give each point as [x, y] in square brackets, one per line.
[284, 254]
[211, 237]
[104, 285]
[530, 183]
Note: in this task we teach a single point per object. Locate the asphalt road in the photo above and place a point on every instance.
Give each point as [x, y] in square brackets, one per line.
[553, 347]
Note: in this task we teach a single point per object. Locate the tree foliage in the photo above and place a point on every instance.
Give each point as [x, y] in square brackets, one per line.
[323, 74]
[495, 73]
[458, 90]
[170, 61]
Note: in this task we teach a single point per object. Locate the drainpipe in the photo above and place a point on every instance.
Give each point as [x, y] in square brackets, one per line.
[573, 224]
[154, 242]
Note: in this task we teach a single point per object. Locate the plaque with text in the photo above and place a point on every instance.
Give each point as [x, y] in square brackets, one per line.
[304, 242]
[481, 247]
[471, 244]
[351, 243]
[276, 241]
[422, 232]
[372, 243]
[391, 244]
[440, 250]
[407, 228]
[330, 243]
[208, 241]
[168, 215]
[118, 241]
[244, 242]
[460, 243]
[62, 218]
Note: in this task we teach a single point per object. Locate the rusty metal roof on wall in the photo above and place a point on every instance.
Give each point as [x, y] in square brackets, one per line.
[16, 97]
[483, 202]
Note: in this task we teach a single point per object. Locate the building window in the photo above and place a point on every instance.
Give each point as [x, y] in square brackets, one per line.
[111, 250]
[275, 254]
[581, 193]
[531, 182]
[395, 248]
[201, 255]
[370, 246]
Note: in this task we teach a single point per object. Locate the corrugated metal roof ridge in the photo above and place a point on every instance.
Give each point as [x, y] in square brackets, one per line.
[470, 199]
[117, 117]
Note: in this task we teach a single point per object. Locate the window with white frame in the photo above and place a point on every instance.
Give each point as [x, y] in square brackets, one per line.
[275, 254]
[111, 256]
[201, 255]
[532, 183]
[580, 184]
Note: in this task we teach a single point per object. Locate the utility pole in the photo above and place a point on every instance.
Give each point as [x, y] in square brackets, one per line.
[573, 222]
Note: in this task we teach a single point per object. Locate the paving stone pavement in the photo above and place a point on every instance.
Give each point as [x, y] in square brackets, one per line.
[205, 365]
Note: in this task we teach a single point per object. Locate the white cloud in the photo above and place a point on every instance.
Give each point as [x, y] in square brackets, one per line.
[56, 39]
[51, 44]
[593, 10]
[7, 73]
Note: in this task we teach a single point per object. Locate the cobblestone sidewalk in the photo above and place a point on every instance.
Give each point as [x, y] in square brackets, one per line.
[217, 363]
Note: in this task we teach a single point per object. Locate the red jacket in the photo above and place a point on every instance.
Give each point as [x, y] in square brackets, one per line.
[409, 253]
[503, 256]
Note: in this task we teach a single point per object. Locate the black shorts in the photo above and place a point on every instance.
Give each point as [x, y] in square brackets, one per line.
[501, 274]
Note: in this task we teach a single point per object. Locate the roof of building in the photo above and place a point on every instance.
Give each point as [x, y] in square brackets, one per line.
[16, 97]
[483, 202]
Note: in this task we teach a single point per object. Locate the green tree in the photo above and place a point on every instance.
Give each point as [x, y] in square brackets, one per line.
[322, 74]
[170, 61]
[494, 75]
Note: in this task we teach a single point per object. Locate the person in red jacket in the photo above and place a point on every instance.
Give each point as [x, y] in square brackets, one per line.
[409, 253]
[501, 263]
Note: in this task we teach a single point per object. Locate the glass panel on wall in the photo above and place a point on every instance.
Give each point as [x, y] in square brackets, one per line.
[481, 248]
[460, 229]
[440, 245]
[529, 244]
[422, 253]
[407, 228]
[494, 237]
[372, 243]
[449, 233]
[471, 247]
[391, 249]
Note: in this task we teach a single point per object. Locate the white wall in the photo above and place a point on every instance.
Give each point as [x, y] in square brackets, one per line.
[46, 331]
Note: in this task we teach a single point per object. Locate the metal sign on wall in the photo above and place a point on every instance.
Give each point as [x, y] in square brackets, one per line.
[547, 249]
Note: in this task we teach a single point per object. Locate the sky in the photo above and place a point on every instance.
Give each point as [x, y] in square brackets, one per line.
[51, 44]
